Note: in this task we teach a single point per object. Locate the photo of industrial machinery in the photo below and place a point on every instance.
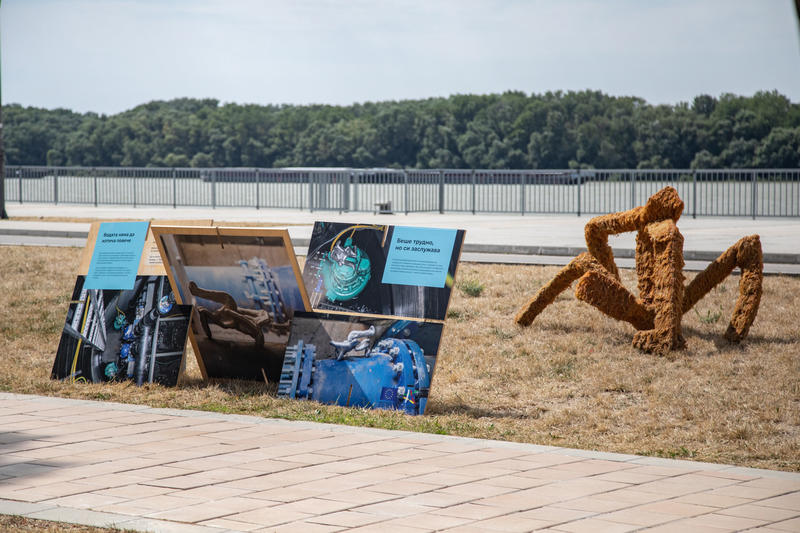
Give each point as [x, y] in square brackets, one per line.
[116, 335]
[354, 361]
[344, 269]
[244, 284]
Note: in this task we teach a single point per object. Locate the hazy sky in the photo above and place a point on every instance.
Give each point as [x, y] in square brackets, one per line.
[111, 55]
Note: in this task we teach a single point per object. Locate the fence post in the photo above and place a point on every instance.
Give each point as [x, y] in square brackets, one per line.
[441, 192]
[694, 193]
[258, 188]
[754, 192]
[94, 173]
[310, 192]
[55, 186]
[522, 193]
[580, 186]
[633, 189]
[19, 184]
[355, 179]
[473, 191]
[133, 180]
[174, 188]
[346, 179]
[214, 189]
[405, 189]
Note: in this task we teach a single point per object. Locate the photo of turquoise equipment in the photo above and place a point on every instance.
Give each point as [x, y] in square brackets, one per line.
[351, 361]
[345, 267]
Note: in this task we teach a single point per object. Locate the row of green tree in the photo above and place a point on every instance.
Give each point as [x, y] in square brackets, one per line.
[513, 130]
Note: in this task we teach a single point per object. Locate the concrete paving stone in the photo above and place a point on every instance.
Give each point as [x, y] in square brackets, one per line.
[639, 516]
[163, 526]
[381, 527]
[468, 528]
[478, 489]
[445, 478]
[593, 504]
[727, 521]
[544, 459]
[789, 485]
[332, 484]
[209, 510]
[756, 493]
[596, 525]
[409, 469]
[269, 516]
[787, 525]
[159, 502]
[593, 467]
[553, 515]
[359, 496]
[732, 523]
[700, 481]
[511, 523]
[285, 494]
[518, 481]
[628, 476]
[395, 508]
[317, 506]
[760, 512]
[438, 498]
[472, 511]
[209, 493]
[86, 500]
[679, 509]
[426, 521]
[348, 519]
[687, 525]
[789, 501]
[230, 525]
[631, 495]
[712, 500]
[304, 527]
[405, 487]
[47, 492]
[79, 516]
[107, 481]
[180, 482]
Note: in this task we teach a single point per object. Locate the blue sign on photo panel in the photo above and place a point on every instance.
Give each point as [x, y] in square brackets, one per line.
[419, 256]
[116, 256]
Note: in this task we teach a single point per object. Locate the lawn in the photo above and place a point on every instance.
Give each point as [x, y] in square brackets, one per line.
[571, 379]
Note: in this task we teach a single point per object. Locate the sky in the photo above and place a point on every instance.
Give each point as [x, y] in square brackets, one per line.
[107, 56]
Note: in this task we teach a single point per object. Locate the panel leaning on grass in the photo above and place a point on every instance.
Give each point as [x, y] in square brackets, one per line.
[656, 314]
[706, 192]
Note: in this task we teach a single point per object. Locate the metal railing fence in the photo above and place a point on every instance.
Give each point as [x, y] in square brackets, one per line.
[707, 192]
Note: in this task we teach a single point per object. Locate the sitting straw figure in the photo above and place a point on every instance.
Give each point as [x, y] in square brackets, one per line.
[663, 299]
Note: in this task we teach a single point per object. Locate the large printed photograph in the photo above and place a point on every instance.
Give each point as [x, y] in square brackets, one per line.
[137, 335]
[375, 270]
[360, 362]
[245, 286]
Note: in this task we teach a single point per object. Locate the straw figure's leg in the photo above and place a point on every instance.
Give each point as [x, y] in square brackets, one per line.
[745, 254]
[661, 245]
[608, 295]
[548, 293]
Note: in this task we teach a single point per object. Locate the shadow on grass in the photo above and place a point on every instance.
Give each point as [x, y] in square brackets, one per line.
[474, 411]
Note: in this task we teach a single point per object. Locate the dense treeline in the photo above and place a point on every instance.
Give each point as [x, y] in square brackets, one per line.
[513, 130]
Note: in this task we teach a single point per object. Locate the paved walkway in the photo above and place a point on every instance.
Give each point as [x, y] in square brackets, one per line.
[169, 470]
[537, 239]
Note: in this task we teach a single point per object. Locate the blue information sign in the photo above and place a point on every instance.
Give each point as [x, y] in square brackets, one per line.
[116, 256]
[419, 256]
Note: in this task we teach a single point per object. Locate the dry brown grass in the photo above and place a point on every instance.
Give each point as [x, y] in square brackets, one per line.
[571, 379]
[29, 525]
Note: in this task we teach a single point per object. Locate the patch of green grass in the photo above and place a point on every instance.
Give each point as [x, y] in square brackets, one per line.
[471, 287]
[711, 317]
